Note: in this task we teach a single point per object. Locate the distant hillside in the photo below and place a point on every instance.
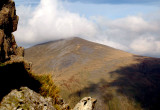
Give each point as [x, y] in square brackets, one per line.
[119, 80]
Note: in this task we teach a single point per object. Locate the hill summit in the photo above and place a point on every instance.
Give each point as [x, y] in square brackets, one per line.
[65, 53]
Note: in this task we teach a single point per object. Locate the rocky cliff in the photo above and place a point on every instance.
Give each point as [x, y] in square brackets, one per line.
[8, 24]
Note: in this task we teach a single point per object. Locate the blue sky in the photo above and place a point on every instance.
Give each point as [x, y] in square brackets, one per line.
[115, 1]
[108, 8]
[129, 25]
[112, 11]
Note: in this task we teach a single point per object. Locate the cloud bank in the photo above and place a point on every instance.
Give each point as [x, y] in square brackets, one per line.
[135, 34]
[50, 21]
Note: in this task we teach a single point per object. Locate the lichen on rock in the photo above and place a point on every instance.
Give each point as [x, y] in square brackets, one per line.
[26, 99]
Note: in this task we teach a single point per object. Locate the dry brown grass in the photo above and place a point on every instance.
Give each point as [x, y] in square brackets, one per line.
[48, 88]
[122, 103]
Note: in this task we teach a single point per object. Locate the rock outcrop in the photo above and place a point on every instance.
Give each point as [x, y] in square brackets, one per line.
[86, 103]
[8, 24]
[26, 99]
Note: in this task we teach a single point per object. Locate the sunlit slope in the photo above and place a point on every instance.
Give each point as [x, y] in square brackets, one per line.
[119, 80]
[62, 55]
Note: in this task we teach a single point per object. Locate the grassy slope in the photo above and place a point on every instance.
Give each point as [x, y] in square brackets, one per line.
[119, 80]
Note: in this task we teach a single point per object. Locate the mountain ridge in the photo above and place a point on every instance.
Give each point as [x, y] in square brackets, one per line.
[75, 45]
[72, 39]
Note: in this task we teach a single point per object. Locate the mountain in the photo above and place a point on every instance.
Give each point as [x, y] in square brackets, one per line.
[70, 54]
[117, 79]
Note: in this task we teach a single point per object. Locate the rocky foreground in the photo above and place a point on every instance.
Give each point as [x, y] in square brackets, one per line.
[24, 98]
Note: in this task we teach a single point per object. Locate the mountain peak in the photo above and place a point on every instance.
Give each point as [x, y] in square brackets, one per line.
[65, 53]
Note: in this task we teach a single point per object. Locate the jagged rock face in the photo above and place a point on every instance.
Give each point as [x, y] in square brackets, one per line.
[26, 99]
[8, 24]
[86, 103]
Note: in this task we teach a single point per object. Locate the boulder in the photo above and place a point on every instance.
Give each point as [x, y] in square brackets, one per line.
[87, 103]
[26, 99]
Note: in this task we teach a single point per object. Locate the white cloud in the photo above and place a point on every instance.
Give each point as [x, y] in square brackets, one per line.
[50, 21]
[136, 34]
[146, 45]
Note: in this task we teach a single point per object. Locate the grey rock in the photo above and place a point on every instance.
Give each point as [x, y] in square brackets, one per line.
[87, 103]
[26, 99]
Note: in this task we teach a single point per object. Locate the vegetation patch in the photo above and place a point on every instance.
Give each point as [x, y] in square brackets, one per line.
[15, 75]
[48, 88]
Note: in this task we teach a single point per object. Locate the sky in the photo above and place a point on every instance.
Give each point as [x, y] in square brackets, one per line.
[129, 25]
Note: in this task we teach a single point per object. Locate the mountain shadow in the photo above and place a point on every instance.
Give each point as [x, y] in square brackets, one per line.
[14, 76]
[140, 82]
